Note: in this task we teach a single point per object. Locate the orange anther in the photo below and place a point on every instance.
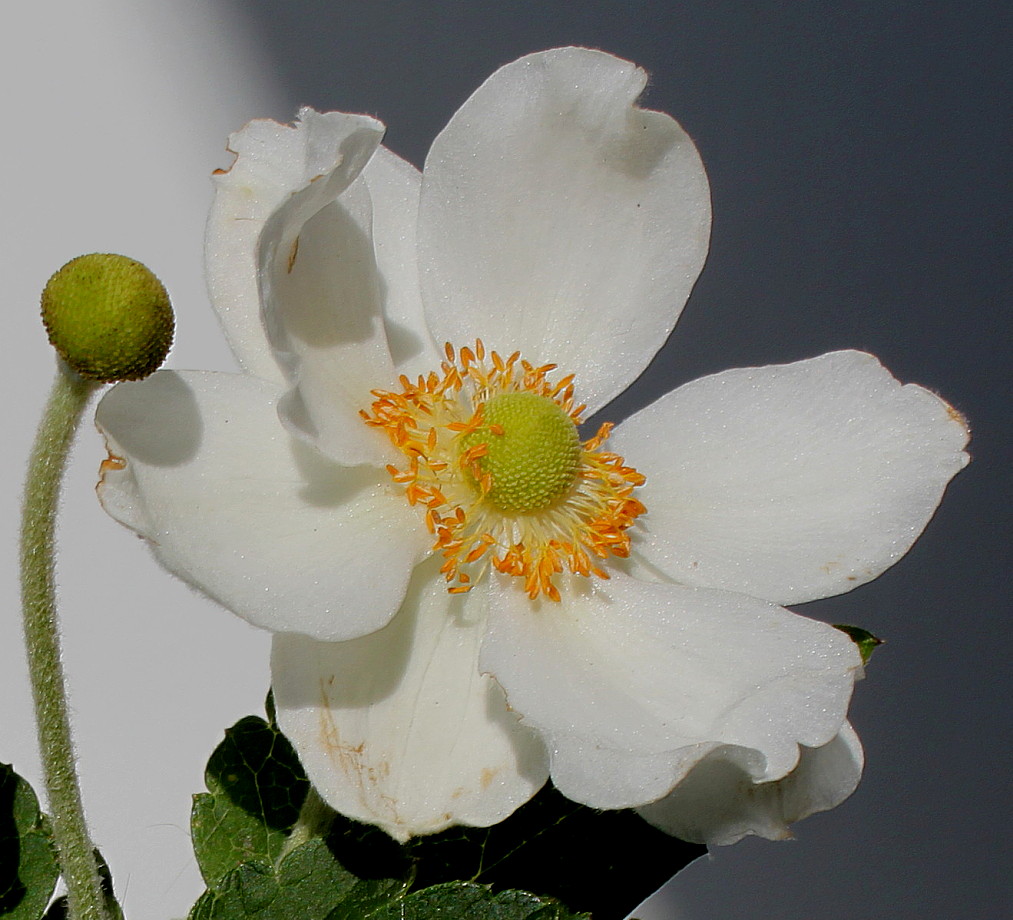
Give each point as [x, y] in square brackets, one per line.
[590, 523]
[477, 553]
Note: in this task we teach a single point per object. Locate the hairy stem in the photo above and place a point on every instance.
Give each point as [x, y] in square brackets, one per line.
[67, 400]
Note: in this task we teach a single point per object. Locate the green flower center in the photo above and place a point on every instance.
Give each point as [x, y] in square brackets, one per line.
[492, 458]
[526, 452]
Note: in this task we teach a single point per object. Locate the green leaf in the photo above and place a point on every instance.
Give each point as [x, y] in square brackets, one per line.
[28, 868]
[310, 884]
[60, 910]
[256, 787]
[474, 902]
[270, 709]
[864, 639]
[605, 862]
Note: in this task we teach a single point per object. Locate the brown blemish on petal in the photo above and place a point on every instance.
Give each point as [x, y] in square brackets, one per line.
[292, 254]
[959, 418]
[352, 761]
[224, 172]
[112, 462]
[235, 154]
[227, 169]
[486, 778]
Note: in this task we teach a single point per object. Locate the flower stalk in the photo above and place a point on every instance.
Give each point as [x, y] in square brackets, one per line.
[67, 400]
[315, 820]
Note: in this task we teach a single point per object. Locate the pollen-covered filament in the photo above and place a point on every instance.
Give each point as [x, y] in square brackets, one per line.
[492, 455]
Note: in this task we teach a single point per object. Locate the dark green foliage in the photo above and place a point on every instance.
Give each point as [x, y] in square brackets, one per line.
[59, 909]
[600, 861]
[473, 902]
[307, 884]
[864, 639]
[255, 790]
[28, 869]
[564, 853]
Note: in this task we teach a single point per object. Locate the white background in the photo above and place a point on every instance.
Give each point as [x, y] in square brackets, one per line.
[115, 114]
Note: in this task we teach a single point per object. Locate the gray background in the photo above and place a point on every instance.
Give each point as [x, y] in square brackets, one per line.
[855, 161]
[859, 181]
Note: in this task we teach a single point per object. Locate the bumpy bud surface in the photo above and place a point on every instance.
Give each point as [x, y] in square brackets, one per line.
[109, 317]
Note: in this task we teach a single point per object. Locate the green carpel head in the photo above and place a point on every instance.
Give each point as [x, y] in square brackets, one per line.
[532, 452]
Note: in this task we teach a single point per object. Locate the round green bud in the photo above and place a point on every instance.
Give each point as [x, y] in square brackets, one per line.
[108, 317]
[532, 451]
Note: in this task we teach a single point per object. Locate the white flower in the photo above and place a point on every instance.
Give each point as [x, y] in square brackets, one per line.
[455, 619]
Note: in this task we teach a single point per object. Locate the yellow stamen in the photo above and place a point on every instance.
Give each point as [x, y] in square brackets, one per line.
[474, 439]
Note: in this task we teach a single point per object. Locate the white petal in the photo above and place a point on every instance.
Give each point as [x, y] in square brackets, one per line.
[394, 186]
[347, 312]
[622, 778]
[791, 482]
[399, 729]
[201, 467]
[559, 219]
[719, 803]
[619, 673]
[273, 161]
[322, 305]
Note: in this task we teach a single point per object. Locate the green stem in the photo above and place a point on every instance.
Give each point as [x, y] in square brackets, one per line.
[67, 401]
[315, 819]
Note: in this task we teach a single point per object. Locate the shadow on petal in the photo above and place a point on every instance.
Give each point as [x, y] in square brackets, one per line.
[328, 295]
[164, 428]
[329, 484]
[357, 673]
[719, 803]
[638, 153]
[404, 342]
